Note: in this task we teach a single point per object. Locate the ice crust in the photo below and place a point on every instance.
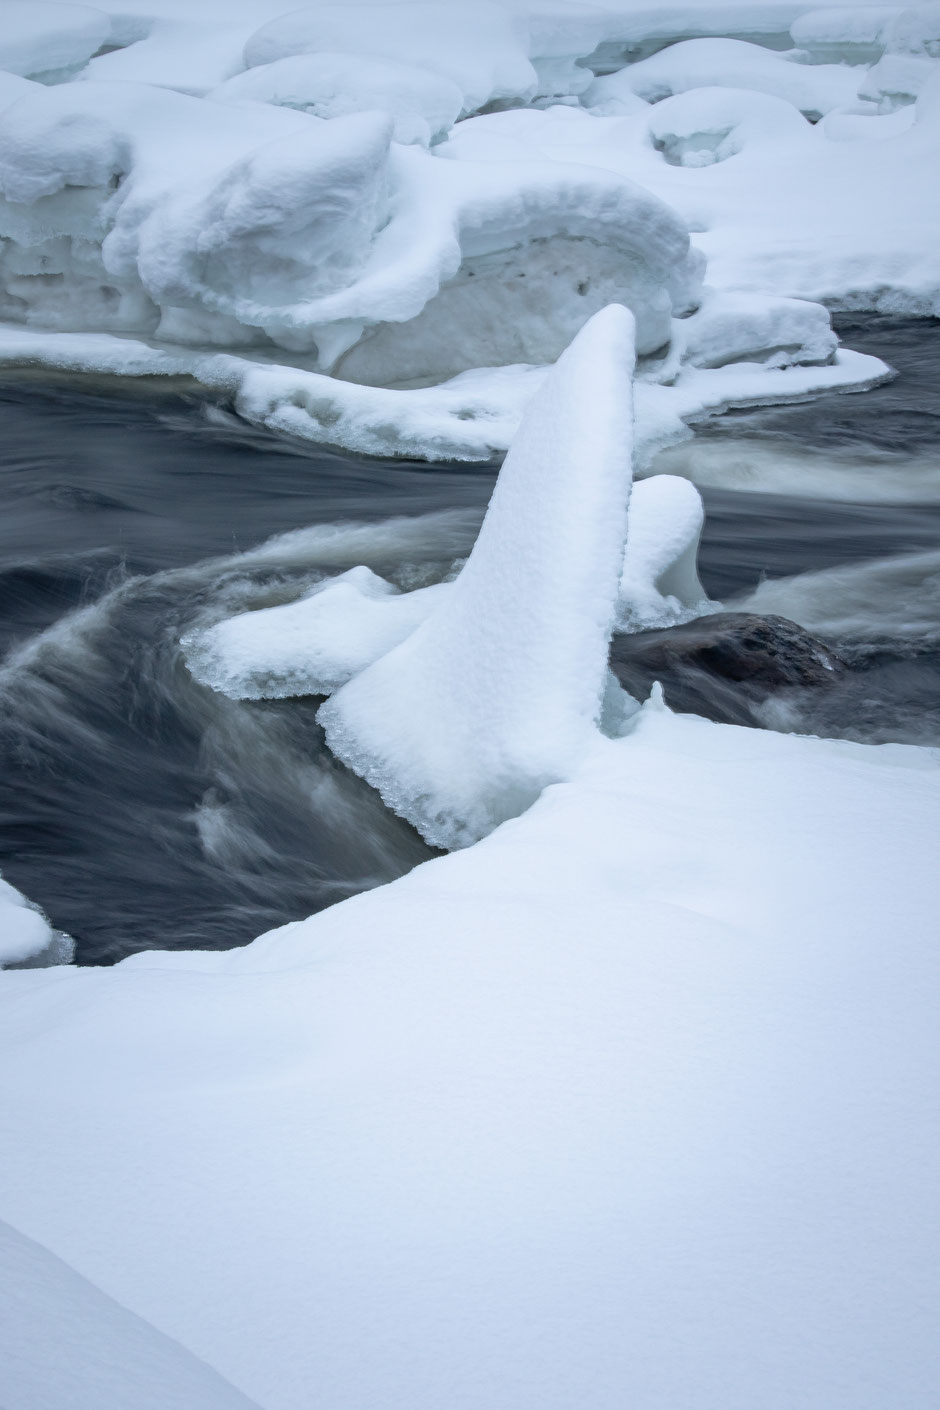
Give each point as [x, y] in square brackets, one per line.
[498, 692]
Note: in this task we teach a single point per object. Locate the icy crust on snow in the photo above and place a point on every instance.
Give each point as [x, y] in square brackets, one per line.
[582, 1108]
[499, 691]
[64, 1343]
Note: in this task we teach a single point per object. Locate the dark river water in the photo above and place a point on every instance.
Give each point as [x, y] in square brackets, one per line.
[141, 810]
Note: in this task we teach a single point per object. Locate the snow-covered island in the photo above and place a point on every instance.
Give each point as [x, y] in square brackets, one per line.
[628, 1100]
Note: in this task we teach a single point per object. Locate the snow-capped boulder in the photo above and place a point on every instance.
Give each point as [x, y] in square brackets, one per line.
[499, 692]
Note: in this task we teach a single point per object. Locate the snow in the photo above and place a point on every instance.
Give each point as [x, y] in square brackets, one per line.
[630, 1103]
[477, 47]
[732, 63]
[498, 692]
[64, 1343]
[310, 646]
[659, 584]
[422, 105]
[39, 38]
[24, 930]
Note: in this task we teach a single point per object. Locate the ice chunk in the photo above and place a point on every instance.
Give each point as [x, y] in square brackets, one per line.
[65, 1343]
[476, 46]
[732, 63]
[311, 646]
[659, 585]
[39, 37]
[498, 693]
[422, 105]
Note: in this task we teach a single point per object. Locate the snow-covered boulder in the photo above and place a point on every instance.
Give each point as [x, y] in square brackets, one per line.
[421, 105]
[476, 46]
[39, 37]
[310, 646]
[659, 585]
[732, 63]
[26, 937]
[708, 125]
[845, 34]
[499, 692]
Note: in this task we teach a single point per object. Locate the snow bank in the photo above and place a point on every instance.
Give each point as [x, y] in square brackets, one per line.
[732, 63]
[41, 38]
[845, 34]
[311, 646]
[498, 692]
[421, 105]
[64, 1343]
[630, 1104]
[659, 585]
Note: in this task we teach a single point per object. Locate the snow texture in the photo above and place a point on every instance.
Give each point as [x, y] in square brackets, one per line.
[311, 646]
[64, 1343]
[24, 930]
[42, 39]
[497, 694]
[630, 1104]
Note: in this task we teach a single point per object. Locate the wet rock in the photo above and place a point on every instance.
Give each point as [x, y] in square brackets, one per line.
[725, 665]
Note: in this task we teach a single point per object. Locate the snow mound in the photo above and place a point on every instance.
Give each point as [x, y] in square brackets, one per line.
[421, 105]
[311, 646]
[499, 691]
[733, 63]
[26, 937]
[66, 1344]
[476, 46]
[38, 37]
[659, 586]
[730, 328]
[708, 125]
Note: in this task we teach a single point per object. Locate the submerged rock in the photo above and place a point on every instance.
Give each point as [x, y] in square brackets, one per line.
[721, 666]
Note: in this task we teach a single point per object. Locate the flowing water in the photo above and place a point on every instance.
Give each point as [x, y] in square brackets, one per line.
[140, 809]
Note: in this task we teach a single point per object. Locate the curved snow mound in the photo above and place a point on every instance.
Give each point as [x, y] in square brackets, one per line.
[422, 106]
[65, 1343]
[746, 328]
[477, 47]
[27, 940]
[311, 646]
[126, 207]
[499, 692]
[40, 38]
[733, 63]
[660, 586]
[709, 125]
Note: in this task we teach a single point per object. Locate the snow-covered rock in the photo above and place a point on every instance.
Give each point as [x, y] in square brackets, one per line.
[310, 646]
[498, 692]
[42, 38]
[732, 63]
[422, 105]
[659, 585]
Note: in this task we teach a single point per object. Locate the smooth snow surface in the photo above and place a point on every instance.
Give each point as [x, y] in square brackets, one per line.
[65, 1344]
[630, 1104]
[498, 692]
